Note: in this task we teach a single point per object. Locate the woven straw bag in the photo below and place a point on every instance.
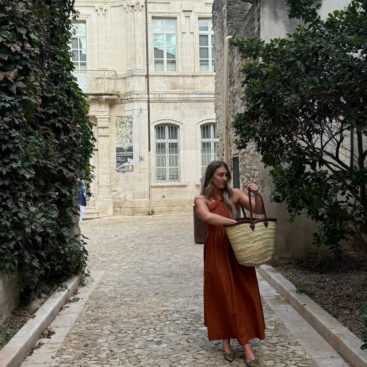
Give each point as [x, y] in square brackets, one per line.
[252, 239]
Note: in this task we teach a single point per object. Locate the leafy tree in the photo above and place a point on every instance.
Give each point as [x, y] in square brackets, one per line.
[46, 142]
[306, 109]
[304, 9]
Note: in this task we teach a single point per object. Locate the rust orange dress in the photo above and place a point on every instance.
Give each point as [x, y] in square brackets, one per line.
[232, 304]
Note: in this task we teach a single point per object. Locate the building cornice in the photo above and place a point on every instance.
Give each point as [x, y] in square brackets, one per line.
[169, 97]
[133, 5]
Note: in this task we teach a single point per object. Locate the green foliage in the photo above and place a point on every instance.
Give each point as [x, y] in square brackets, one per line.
[46, 142]
[303, 288]
[305, 107]
[304, 9]
[6, 335]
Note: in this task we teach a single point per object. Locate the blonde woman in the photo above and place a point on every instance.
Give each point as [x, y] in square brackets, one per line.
[232, 304]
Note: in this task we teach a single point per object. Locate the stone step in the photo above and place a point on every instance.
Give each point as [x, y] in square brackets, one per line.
[90, 213]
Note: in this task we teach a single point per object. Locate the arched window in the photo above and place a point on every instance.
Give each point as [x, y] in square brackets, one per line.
[167, 152]
[209, 145]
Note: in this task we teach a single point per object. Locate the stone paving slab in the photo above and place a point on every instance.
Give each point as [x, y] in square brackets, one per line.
[146, 307]
[47, 347]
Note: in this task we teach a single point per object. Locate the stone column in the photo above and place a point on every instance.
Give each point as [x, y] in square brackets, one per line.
[104, 201]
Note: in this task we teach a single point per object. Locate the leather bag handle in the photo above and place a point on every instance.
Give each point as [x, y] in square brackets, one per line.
[252, 220]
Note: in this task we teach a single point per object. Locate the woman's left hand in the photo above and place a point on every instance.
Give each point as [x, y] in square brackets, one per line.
[253, 187]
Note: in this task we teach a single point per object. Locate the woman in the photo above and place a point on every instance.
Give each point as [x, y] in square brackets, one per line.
[232, 304]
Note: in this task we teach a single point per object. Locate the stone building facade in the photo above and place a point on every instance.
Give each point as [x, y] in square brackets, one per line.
[176, 119]
[265, 19]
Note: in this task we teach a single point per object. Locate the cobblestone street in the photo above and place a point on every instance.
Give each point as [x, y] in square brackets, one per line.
[145, 308]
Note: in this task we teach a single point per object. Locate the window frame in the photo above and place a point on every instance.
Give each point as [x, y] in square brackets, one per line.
[77, 63]
[164, 33]
[166, 141]
[210, 47]
[213, 140]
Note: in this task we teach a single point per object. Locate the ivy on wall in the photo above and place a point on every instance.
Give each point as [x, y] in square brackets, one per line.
[46, 142]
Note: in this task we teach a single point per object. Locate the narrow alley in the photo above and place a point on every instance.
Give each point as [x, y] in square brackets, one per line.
[142, 305]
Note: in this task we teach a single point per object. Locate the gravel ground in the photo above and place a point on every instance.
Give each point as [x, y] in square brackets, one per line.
[339, 288]
[14, 322]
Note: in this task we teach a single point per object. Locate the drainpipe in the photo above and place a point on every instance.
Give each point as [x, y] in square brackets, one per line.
[226, 99]
[351, 148]
[148, 109]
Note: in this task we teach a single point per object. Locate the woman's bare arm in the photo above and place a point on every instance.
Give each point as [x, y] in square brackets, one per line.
[206, 216]
[239, 197]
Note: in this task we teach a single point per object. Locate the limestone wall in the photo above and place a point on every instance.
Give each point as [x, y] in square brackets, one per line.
[116, 55]
[329, 5]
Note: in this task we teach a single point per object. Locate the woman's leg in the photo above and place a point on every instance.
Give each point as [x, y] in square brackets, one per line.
[249, 354]
[227, 350]
[81, 213]
[227, 346]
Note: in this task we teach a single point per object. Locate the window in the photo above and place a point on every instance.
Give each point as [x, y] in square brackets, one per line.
[209, 145]
[167, 153]
[79, 46]
[124, 144]
[164, 42]
[206, 45]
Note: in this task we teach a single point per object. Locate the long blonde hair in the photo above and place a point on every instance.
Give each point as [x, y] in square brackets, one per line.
[208, 188]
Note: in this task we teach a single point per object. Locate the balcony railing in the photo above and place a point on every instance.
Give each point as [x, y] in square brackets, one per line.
[97, 81]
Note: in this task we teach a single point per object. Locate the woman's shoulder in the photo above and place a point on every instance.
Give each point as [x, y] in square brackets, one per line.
[199, 197]
[236, 192]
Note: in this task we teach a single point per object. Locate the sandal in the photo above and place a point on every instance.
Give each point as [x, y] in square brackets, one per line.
[253, 363]
[229, 356]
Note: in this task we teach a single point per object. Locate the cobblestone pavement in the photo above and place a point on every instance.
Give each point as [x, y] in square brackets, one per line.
[146, 309]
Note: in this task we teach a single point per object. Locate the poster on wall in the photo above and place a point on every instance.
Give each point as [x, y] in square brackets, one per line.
[124, 144]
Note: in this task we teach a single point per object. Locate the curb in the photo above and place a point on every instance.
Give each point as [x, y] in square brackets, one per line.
[339, 337]
[17, 349]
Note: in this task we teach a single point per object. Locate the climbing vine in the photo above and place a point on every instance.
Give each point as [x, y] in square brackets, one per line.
[46, 142]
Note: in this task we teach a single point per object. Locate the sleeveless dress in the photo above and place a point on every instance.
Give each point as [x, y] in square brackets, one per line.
[232, 304]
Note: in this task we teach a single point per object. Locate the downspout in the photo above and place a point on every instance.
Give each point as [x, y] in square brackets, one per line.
[226, 99]
[150, 209]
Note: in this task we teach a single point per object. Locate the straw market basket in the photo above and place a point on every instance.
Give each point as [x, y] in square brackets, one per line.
[252, 246]
[252, 239]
